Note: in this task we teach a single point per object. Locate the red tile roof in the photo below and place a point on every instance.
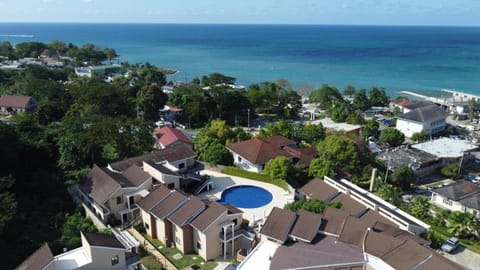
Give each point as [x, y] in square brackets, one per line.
[261, 150]
[168, 135]
[402, 102]
[14, 101]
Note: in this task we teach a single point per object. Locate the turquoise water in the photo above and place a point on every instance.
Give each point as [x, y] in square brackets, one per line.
[246, 196]
[398, 58]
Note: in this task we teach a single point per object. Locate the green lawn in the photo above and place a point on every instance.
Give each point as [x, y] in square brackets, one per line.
[185, 261]
[150, 263]
[255, 176]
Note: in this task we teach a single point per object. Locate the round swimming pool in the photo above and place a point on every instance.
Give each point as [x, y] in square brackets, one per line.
[246, 196]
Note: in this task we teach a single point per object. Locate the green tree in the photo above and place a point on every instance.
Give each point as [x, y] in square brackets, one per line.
[29, 49]
[74, 224]
[392, 136]
[378, 97]
[370, 128]
[216, 153]
[110, 53]
[217, 78]
[397, 111]
[463, 225]
[339, 111]
[450, 170]
[355, 119]
[280, 168]
[321, 167]
[312, 205]
[389, 193]
[419, 206]
[150, 99]
[402, 177]
[349, 91]
[325, 96]
[472, 107]
[360, 100]
[312, 134]
[341, 152]
[6, 49]
[420, 136]
[8, 203]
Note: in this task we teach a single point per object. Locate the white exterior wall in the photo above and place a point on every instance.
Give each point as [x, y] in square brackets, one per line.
[408, 127]
[451, 205]
[243, 163]
[161, 233]
[146, 219]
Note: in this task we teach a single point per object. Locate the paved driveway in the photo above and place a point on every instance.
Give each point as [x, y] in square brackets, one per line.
[465, 257]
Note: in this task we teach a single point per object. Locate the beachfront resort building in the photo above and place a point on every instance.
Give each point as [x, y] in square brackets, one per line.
[430, 119]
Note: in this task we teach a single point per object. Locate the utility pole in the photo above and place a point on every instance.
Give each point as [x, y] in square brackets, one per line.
[388, 168]
[460, 165]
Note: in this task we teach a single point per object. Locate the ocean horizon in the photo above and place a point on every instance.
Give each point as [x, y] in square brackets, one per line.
[423, 59]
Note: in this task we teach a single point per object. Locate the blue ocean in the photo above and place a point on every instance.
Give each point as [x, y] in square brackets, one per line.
[423, 59]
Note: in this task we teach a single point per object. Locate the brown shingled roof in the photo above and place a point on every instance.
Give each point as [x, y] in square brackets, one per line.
[102, 240]
[318, 189]
[99, 184]
[261, 150]
[135, 175]
[38, 260]
[187, 211]
[278, 224]
[14, 101]
[170, 154]
[214, 211]
[307, 225]
[156, 196]
[407, 255]
[165, 208]
[353, 231]
[348, 204]
[332, 220]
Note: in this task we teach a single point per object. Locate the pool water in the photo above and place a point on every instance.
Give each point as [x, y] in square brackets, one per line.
[246, 196]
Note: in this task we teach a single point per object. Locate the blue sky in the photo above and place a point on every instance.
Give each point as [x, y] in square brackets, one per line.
[357, 12]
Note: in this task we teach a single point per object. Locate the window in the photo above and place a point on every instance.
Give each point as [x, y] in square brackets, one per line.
[239, 159]
[119, 199]
[177, 240]
[115, 260]
[447, 201]
[171, 186]
[199, 245]
[147, 226]
[181, 165]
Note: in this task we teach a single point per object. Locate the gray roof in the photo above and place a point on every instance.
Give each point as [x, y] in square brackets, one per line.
[405, 156]
[156, 196]
[325, 253]
[214, 210]
[417, 105]
[424, 114]
[458, 191]
[102, 240]
[278, 224]
[170, 154]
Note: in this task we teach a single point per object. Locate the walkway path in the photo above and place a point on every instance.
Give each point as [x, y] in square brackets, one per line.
[152, 250]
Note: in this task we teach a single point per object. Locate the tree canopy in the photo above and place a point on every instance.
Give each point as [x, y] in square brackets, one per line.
[312, 205]
[392, 136]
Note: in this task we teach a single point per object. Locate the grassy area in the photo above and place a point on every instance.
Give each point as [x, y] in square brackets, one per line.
[255, 176]
[150, 263]
[186, 259]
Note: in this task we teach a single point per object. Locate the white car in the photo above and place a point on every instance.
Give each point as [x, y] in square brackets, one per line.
[450, 245]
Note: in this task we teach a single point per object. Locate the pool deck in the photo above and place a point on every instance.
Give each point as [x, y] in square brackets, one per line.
[223, 181]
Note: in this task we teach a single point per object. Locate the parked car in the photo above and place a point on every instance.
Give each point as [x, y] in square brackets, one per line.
[450, 245]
